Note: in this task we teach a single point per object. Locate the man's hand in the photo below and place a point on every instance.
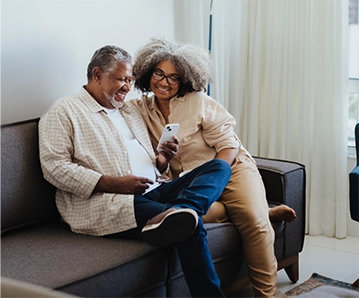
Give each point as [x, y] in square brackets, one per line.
[133, 184]
[123, 185]
[169, 151]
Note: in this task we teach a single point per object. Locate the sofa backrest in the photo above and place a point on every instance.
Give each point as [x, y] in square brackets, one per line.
[26, 197]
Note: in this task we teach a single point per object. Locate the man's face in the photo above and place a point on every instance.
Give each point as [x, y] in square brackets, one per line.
[113, 87]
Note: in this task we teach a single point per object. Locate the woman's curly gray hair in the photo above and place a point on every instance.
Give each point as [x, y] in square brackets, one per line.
[192, 63]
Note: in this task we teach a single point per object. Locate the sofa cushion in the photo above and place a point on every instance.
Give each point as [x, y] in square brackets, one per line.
[50, 255]
[25, 195]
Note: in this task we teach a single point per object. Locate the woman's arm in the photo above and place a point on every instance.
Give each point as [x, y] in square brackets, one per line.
[228, 155]
[169, 151]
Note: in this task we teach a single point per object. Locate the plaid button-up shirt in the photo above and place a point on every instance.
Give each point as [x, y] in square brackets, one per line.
[78, 144]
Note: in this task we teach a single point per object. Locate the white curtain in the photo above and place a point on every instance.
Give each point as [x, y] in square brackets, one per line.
[280, 68]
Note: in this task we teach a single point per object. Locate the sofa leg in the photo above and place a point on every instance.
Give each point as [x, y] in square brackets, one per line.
[356, 283]
[292, 272]
[291, 267]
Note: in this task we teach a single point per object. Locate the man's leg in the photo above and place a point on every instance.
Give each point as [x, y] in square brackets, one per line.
[193, 252]
[197, 264]
[146, 207]
[198, 189]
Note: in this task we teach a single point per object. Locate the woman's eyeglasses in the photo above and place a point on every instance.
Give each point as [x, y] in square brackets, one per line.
[172, 79]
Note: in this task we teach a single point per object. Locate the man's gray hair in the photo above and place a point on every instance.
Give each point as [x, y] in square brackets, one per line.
[106, 59]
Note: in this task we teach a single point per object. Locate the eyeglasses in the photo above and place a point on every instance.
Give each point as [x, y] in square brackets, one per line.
[172, 79]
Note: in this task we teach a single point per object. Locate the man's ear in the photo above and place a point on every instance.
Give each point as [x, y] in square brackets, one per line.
[97, 74]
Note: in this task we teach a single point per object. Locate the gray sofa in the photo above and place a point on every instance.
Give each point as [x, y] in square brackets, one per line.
[37, 248]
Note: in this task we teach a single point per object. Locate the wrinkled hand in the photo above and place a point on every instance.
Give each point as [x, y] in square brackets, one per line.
[125, 185]
[169, 151]
[134, 184]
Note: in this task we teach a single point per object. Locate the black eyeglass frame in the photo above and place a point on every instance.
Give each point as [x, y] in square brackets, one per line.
[159, 76]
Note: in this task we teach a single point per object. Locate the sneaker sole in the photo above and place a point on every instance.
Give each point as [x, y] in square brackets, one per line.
[174, 227]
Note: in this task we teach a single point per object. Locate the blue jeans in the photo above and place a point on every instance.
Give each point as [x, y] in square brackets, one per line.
[196, 190]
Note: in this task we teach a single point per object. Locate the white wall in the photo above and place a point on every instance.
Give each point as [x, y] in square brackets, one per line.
[46, 45]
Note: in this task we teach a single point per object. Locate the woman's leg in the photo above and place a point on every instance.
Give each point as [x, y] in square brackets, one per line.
[246, 204]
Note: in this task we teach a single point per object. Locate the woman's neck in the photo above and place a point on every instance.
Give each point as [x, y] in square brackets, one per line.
[164, 106]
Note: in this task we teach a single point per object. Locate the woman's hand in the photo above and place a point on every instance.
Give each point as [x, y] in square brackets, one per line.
[169, 151]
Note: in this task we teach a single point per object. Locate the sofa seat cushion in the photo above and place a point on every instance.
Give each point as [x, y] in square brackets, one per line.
[50, 255]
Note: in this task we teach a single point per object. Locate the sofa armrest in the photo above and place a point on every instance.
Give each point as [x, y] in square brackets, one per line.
[285, 183]
[277, 176]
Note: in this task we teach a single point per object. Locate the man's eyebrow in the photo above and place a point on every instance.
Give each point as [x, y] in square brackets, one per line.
[126, 77]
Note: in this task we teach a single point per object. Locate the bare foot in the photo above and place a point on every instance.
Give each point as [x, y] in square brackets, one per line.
[282, 212]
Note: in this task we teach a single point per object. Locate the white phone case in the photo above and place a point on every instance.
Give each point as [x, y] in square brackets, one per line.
[169, 131]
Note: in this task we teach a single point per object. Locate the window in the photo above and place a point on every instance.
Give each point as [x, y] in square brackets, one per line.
[353, 86]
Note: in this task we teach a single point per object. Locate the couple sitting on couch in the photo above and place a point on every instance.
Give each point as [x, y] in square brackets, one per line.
[95, 149]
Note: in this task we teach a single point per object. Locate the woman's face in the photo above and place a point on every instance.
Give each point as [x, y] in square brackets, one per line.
[165, 80]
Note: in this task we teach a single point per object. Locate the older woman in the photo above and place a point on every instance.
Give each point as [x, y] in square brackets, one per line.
[177, 76]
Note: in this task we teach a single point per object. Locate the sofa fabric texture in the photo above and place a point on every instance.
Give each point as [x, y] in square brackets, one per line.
[22, 176]
[38, 248]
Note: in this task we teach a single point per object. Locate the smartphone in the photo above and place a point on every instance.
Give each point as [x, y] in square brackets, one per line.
[169, 131]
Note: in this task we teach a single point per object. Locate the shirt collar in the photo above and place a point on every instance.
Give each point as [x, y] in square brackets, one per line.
[92, 103]
[89, 101]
